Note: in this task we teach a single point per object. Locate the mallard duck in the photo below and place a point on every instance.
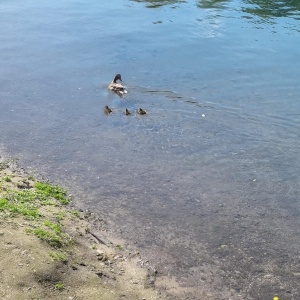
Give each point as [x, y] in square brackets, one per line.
[127, 112]
[117, 87]
[140, 111]
[107, 110]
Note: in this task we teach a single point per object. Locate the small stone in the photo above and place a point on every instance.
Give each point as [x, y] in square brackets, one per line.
[134, 281]
[100, 274]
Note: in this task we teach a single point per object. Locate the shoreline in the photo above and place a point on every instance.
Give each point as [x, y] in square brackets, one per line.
[78, 261]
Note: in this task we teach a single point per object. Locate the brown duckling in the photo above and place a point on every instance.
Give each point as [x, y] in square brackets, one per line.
[117, 87]
[107, 110]
[140, 111]
[127, 112]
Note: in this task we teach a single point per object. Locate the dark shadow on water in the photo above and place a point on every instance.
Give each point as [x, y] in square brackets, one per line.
[174, 97]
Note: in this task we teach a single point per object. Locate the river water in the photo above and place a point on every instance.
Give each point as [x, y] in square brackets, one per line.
[207, 184]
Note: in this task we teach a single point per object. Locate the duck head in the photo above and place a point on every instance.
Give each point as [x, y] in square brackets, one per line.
[117, 77]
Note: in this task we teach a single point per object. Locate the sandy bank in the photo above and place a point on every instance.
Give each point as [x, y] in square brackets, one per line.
[49, 250]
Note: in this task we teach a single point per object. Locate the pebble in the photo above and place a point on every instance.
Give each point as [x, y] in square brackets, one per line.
[134, 281]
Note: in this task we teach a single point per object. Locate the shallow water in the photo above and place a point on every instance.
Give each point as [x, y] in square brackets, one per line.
[209, 178]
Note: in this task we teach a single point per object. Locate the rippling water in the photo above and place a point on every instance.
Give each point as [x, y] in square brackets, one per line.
[207, 183]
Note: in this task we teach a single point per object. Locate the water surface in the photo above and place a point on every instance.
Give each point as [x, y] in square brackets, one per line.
[209, 178]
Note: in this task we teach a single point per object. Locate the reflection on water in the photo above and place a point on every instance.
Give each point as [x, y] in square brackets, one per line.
[261, 8]
[273, 9]
[212, 3]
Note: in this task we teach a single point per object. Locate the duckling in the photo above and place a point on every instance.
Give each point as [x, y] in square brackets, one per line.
[127, 112]
[140, 111]
[107, 110]
[117, 87]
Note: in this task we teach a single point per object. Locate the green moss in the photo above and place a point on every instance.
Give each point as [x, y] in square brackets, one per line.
[49, 190]
[25, 196]
[58, 256]
[3, 203]
[54, 226]
[60, 216]
[7, 179]
[49, 237]
[76, 213]
[27, 211]
[29, 202]
[59, 286]
[120, 247]
[17, 206]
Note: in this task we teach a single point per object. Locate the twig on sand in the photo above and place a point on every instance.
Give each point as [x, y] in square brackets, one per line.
[95, 236]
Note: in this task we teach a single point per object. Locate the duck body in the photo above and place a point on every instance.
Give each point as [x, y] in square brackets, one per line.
[107, 110]
[117, 87]
[140, 111]
[127, 112]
